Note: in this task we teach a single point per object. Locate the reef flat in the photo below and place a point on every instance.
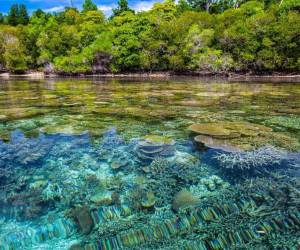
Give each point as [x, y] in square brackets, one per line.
[149, 165]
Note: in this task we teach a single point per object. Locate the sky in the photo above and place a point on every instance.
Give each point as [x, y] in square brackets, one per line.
[57, 5]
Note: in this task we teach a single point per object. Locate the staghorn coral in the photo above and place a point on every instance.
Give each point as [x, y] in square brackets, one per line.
[248, 160]
[52, 192]
[159, 166]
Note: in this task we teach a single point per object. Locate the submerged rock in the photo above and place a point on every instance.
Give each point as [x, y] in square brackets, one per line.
[84, 219]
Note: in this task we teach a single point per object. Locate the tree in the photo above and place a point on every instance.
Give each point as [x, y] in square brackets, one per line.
[126, 43]
[288, 5]
[12, 51]
[122, 6]
[95, 58]
[182, 6]
[18, 15]
[15, 58]
[1, 18]
[198, 35]
[38, 13]
[23, 17]
[201, 4]
[92, 25]
[13, 15]
[88, 5]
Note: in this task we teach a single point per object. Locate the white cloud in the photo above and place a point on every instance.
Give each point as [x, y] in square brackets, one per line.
[107, 9]
[55, 9]
[143, 5]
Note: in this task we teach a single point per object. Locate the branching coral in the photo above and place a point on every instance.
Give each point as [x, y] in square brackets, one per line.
[262, 157]
[52, 191]
[159, 166]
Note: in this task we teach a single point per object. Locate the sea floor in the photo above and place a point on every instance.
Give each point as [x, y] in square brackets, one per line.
[178, 164]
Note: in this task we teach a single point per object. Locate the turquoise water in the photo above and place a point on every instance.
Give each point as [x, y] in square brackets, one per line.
[149, 164]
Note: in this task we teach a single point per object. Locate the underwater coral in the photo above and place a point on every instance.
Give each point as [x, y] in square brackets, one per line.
[83, 193]
[248, 160]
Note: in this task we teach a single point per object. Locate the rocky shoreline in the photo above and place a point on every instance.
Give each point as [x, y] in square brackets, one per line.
[231, 77]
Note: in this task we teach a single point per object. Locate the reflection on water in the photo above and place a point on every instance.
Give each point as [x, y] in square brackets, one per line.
[178, 164]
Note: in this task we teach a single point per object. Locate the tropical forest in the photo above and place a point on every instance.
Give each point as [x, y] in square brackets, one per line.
[209, 36]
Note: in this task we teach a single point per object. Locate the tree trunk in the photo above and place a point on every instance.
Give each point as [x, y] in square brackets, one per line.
[207, 5]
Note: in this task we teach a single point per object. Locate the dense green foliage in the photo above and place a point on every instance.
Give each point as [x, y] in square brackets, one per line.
[213, 36]
[89, 5]
[18, 15]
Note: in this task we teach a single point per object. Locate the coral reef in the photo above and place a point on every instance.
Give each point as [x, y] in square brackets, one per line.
[228, 130]
[215, 143]
[184, 199]
[240, 136]
[208, 187]
[152, 147]
[23, 151]
[289, 122]
[78, 172]
[213, 225]
[149, 200]
[263, 157]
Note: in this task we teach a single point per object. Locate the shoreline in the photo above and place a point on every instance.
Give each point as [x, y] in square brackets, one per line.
[231, 77]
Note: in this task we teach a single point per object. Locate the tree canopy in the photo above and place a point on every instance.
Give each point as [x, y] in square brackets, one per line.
[18, 15]
[122, 6]
[213, 36]
[88, 5]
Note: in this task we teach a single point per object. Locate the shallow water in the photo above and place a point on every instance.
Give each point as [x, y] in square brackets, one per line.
[184, 163]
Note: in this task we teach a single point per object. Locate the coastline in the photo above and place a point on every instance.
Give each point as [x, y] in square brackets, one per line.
[231, 77]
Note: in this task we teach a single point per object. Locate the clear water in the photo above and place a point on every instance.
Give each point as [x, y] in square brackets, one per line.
[116, 164]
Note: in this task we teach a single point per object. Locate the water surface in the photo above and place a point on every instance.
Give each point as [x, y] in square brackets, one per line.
[149, 164]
